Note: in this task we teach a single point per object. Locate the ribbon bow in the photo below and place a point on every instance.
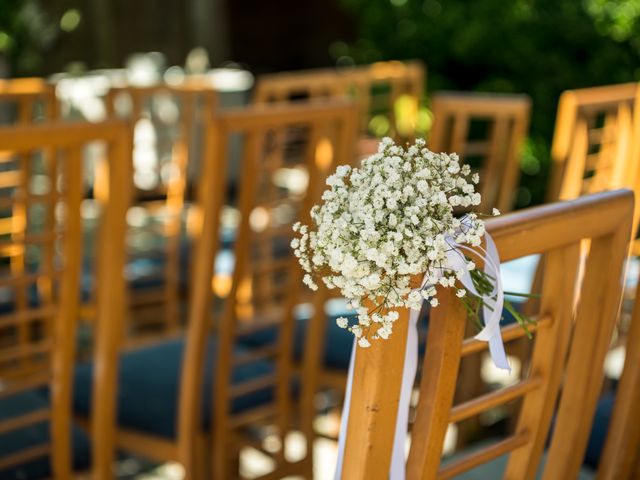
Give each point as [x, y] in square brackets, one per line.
[492, 313]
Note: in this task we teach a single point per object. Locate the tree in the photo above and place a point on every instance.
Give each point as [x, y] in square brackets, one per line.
[538, 47]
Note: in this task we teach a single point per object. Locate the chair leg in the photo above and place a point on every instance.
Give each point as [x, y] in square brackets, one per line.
[233, 466]
[202, 466]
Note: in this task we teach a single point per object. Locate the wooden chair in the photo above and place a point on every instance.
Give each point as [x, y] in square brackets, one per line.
[386, 92]
[199, 400]
[620, 459]
[378, 89]
[169, 122]
[571, 339]
[487, 131]
[27, 100]
[591, 142]
[41, 235]
[596, 144]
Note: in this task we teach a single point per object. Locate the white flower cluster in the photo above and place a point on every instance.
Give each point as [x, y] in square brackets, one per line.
[383, 226]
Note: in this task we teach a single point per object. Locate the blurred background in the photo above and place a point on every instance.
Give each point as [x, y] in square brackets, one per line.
[165, 66]
[535, 47]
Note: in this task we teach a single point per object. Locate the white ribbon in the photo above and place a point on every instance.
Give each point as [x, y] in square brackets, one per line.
[492, 313]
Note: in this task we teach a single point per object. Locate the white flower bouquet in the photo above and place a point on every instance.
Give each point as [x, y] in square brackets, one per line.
[391, 221]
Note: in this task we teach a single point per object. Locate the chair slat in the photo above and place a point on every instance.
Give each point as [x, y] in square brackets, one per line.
[507, 120]
[253, 416]
[24, 384]
[26, 350]
[256, 354]
[24, 456]
[37, 416]
[10, 179]
[255, 384]
[511, 332]
[27, 279]
[483, 455]
[493, 399]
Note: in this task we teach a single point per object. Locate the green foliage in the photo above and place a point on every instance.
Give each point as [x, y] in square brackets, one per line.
[617, 19]
[539, 47]
[25, 33]
[484, 285]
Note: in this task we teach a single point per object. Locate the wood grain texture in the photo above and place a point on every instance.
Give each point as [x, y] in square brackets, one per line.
[506, 118]
[376, 89]
[276, 139]
[559, 357]
[56, 150]
[592, 141]
[156, 310]
[621, 454]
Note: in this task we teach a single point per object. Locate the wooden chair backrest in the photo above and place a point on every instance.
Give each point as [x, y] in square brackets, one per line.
[26, 100]
[592, 140]
[568, 352]
[287, 151]
[620, 458]
[388, 91]
[621, 455]
[179, 115]
[502, 121]
[40, 198]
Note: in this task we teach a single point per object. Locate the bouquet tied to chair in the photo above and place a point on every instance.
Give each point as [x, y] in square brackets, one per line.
[392, 221]
[387, 235]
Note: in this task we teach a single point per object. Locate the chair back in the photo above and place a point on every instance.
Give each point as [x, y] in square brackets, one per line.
[42, 236]
[388, 94]
[287, 151]
[620, 458]
[27, 100]
[592, 141]
[169, 123]
[572, 335]
[488, 132]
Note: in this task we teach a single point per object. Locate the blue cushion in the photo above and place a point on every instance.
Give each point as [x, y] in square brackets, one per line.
[599, 429]
[516, 275]
[149, 381]
[338, 342]
[35, 435]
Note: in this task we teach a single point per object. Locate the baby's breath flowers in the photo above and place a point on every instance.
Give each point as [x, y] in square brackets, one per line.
[382, 224]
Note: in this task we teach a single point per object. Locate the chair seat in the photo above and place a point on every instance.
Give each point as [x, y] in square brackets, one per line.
[148, 388]
[33, 436]
[599, 429]
[338, 342]
[517, 275]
